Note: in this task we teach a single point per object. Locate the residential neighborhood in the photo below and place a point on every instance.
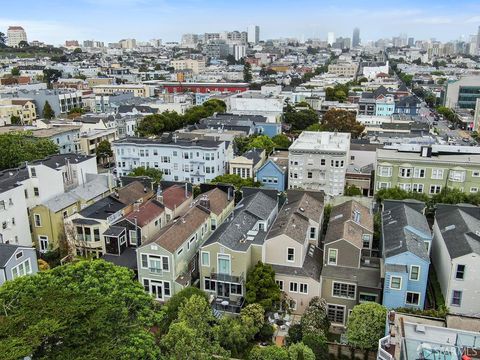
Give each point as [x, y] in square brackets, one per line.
[193, 181]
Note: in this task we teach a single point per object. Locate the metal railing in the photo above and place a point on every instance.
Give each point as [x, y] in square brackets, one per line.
[382, 353]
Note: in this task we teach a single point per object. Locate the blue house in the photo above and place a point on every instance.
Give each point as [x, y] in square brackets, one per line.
[269, 129]
[406, 240]
[273, 173]
[16, 261]
[408, 105]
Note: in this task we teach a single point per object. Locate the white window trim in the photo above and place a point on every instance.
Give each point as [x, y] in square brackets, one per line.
[18, 267]
[163, 287]
[365, 293]
[35, 220]
[336, 256]
[230, 262]
[148, 261]
[290, 287]
[291, 261]
[201, 258]
[344, 312]
[461, 298]
[390, 284]
[43, 237]
[344, 297]
[413, 292]
[278, 282]
[410, 274]
[300, 288]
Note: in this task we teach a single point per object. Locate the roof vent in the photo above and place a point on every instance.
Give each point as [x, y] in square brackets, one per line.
[420, 328]
[301, 209]
[450, 227]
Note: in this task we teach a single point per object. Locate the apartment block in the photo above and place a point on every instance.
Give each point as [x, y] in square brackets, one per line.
[428, 170]
[318, 161]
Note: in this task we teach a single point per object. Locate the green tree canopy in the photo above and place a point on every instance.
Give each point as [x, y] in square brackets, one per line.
[271, 352]
[15, 120]
[154, 174]
[352, 190]
[237, 182]
[300, 351]
[261, 287]
[15, 71]
[281, 141]
[399, 194]
[18, 147]
[48, 112]
[50, 76]
[342, 121]
[191, 337]
[171, 308]
[104, 150]
[301, 119]
[366, 324]
[247, 72]
[85, 310]
[261, 142]
[3, 40]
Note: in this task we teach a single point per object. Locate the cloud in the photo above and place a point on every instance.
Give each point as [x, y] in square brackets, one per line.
[435, 20]
[473, 19]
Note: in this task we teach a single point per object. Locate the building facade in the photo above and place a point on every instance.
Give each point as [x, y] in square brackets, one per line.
[318, 161]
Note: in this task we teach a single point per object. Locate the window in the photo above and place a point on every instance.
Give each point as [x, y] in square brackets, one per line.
[33, 172]
[456, 298]
[417, 188]
[414, 272]
[383, 185]
[332, 256]
[293, 287]
[290, 254]
[473, 189]
[213, 224]
[418, 173]
[385, 171]
[224, 264]
[405, 172]
[43, 243]
[412, 298]
[344, 290]
[37, 220]
[366, 241]
[280, 284]
[205, 258]
[179, 251]
[364, 297]
[155, 264]
[395, 282]
[18, 255]
[36, 192]
[322, 162]
[435, 189]
[460, 273]
[144, 261]
[22, 269]
[456, 175]
[309, 175]
[336, 313]
[303, 288]
[293, 304]
[190, 242]
[313, 232]
[437, 174]
[476, 173]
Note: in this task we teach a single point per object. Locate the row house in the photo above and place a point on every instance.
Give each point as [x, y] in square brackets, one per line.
[169, 262]
[234, 248]
[455, 251]
[292, 248]
[16, 261]
[350, 275]
[406, 242]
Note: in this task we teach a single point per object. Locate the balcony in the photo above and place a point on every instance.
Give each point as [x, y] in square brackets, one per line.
[223, 305]
[227, 278]
[385, 349]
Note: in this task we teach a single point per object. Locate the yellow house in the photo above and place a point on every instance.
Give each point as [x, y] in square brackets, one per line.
[47, 219]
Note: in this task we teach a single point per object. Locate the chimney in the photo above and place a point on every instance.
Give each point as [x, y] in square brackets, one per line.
[205, 202]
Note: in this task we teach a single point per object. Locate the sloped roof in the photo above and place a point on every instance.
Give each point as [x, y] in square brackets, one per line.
[146, 212]
[403, 225]
[460, 228]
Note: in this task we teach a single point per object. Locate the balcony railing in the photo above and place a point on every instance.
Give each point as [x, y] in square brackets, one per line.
[383, 346]
[228, 278]
[157, 271]
[227, 305]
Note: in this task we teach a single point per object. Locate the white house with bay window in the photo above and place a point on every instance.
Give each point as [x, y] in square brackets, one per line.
[455, 256]
[196, 161]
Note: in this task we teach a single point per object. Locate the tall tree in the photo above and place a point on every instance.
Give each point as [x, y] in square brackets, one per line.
[261, 287]
[247, 72]
[315, 325]
[89, 310]
[271, 352]
[3, 40]
[342, 121]
[104, 150]
[23, 44]
[261, 142]
[48, 112]
[366, 324]
[155, 174]
[18, 147]
[300, 351]
[281, 141]
[50, 76]
[15, 71]
[301, 119]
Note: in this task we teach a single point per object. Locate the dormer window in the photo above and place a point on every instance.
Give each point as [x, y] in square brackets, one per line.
[33, 172]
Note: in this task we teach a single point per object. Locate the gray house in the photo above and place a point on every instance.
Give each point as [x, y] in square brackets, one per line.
[16, 261]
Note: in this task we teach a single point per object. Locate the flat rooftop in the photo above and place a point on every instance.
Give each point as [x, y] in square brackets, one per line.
[321, 141]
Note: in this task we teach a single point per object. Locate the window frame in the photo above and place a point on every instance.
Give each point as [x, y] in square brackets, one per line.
[412, 293]
[411, 272]
[391, 281]
[336, 256]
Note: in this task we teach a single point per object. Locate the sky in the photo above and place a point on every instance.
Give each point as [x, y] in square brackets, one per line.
[54, 21]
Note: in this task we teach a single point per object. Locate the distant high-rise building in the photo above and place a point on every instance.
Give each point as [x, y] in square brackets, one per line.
[128, 43]
[478, 40]
[253, 34]
[331, 38]
[356, 37]
[411, 41]
[71, 43]
[15, 35]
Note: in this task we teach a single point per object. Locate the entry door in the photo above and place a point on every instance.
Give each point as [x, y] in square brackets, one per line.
[156, 288]
[43, 243]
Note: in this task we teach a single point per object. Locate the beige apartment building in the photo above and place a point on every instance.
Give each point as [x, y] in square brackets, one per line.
[196, 66]
[138, 90]
[343, 69]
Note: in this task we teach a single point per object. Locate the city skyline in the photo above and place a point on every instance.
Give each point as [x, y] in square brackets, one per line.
[110, 21]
